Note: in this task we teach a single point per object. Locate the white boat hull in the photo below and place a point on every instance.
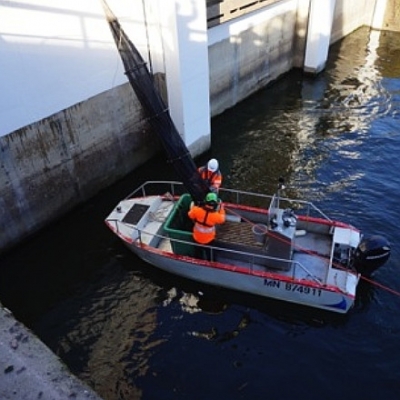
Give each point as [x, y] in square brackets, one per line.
[266, 285]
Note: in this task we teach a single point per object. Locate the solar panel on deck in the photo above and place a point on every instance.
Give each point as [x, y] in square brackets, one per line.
[135, 214]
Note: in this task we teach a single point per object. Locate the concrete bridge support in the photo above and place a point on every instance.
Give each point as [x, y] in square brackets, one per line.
[387, 15]
[184, 36]
[318, 35]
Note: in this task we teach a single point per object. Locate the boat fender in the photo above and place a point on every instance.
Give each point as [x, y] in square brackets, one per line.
[300, 232]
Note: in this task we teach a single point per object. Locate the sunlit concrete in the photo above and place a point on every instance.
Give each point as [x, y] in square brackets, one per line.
[184, 33]
[318, 35]
[53, 55]
[29, 370]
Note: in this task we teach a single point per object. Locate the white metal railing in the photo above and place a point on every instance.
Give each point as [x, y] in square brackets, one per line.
[153, 187]
[176, 188]
[253, 258]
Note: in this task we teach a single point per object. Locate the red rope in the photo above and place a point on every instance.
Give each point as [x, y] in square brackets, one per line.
[388, 289]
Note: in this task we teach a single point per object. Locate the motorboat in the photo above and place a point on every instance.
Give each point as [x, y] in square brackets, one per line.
[269, 245]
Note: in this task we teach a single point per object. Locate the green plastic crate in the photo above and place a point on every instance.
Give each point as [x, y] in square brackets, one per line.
[179, 226]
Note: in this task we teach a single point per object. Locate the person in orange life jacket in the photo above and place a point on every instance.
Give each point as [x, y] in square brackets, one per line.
[205, 218]
[211, 174]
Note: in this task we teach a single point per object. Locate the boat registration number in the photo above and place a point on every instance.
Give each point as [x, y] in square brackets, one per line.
[292, 287]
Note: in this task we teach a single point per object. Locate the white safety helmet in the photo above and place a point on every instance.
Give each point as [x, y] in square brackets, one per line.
[212, 165]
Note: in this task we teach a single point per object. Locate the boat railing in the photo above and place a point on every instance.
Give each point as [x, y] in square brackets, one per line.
[176, 188]
[150, 188]
[255, 263]
[307, 208]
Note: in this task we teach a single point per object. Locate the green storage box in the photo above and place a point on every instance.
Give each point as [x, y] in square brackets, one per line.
[179, 226]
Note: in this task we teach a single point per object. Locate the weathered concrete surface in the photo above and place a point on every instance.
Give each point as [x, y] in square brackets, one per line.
[391, 20]
[246, 62]
[61, 161]
[30, 371]
[351, 15]
[301, 28]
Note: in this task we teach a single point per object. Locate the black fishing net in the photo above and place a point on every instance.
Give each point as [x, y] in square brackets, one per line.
[142, 83]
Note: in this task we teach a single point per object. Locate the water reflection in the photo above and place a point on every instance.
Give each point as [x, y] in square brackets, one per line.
[104, 332]
[316, 124]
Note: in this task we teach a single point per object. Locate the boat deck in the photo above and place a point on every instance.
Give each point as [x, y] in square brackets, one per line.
[239, 233]
[240, 236]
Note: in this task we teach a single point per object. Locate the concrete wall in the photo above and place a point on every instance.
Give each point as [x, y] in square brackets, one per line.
[248, 53]
[55, 54]
[299, 42]
[48, 167]
[351, 15]
[391, 18]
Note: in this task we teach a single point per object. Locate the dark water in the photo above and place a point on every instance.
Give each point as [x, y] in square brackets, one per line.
[133, 332]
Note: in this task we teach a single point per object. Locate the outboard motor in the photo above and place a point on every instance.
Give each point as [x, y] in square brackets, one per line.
[371, 253]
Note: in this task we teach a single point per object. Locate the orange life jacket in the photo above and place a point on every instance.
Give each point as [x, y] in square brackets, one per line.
[213, 179]
[204, 223]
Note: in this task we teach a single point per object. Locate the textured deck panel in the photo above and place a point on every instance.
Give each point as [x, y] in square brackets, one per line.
[237, 233]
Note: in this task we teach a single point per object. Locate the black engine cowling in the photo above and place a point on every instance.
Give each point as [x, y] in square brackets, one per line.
[371, 253]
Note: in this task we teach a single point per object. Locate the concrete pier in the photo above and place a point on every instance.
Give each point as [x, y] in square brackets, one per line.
[29, 370]
[184, 32]
[319, 35]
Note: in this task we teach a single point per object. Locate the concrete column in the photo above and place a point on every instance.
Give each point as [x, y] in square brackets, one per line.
[184, 35]
[379, 14]
[318, 35]
[303, 7]
[385, 11]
